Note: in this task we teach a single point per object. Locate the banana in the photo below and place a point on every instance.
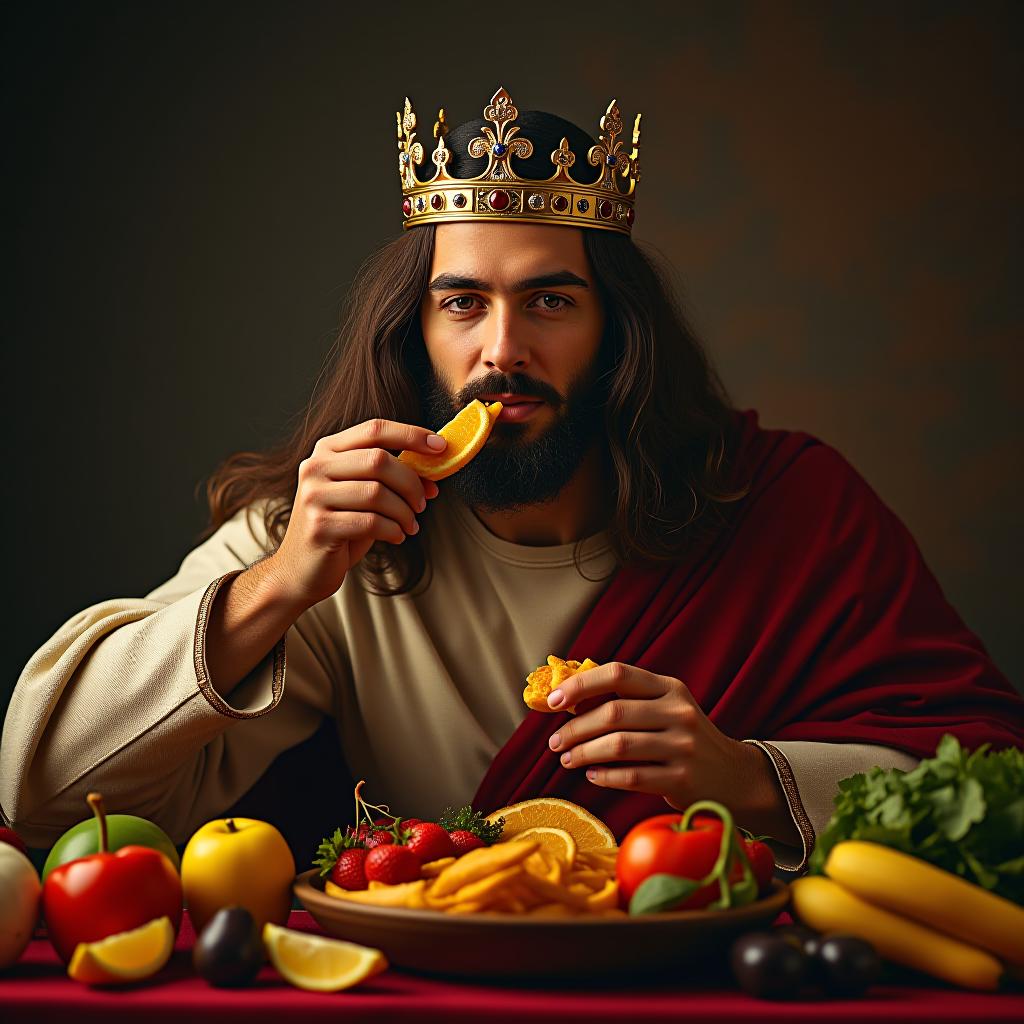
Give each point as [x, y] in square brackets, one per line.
[826, 906]
[925, 893]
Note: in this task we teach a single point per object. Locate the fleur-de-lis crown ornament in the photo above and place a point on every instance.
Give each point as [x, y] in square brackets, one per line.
[499, 193]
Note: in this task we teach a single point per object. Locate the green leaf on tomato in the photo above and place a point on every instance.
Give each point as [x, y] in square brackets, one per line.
[661, 892]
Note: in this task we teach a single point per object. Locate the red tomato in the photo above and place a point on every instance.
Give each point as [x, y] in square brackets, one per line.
[659, 846]
[762, 863]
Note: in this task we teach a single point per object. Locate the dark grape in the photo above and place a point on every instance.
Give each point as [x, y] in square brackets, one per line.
[848, 966]
[768, 966]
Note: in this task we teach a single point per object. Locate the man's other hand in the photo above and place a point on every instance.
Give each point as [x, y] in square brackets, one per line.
[652, 737]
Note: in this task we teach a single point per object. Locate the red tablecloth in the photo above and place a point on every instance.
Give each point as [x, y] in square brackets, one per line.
[37, 989]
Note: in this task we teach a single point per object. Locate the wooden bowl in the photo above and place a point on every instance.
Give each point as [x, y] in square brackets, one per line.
[504, 946]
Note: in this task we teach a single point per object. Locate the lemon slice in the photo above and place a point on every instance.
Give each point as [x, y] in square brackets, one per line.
[319, 964]
[465, 435]
[590, 832]
[126, 956]
[554, 841]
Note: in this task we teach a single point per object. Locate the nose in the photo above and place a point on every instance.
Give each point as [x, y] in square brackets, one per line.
[503, 348]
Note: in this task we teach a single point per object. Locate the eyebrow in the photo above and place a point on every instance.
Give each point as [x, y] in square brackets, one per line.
[558, 278]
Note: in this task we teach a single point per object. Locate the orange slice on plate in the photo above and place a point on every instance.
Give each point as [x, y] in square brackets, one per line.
[590, 832]
[466, 435]
[556, 842]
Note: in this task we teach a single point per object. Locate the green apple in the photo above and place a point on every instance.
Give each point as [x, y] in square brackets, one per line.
[83, 839]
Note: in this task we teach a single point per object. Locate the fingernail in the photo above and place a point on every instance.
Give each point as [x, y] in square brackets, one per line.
[556, 698]
[554, 741]
[415, 527]
[421, 504]
[591, 774]
[566, 758]
[436, 442]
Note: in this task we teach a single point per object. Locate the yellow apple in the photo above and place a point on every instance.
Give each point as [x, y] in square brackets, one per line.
[238, 862]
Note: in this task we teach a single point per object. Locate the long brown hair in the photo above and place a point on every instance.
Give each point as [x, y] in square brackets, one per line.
[667, 419]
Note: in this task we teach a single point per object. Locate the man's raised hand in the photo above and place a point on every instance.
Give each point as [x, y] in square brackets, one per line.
[351, 491]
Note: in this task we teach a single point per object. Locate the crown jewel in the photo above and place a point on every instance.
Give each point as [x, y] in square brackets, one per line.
[499, 193]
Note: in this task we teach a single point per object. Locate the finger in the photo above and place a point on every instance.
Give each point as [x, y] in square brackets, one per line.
[368, 496]
[376, 464]
[381, 433]
[636, 778]
[609, 717]
[618, 746]
[614, 677]
[342, 527]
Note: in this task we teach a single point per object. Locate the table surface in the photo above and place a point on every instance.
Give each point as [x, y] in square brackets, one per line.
[37, 988]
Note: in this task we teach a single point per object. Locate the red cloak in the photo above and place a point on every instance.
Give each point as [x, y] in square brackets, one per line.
[810, 616]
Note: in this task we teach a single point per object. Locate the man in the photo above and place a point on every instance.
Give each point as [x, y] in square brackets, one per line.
[764, 625]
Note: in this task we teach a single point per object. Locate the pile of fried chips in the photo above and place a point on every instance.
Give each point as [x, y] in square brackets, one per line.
[514, 877]
[541, 681]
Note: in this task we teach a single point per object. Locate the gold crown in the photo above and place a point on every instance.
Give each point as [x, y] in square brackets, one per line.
[498, 193]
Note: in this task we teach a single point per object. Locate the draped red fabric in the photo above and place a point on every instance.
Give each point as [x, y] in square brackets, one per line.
[811, 616]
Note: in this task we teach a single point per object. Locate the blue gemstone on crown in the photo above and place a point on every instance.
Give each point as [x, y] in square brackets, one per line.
[404, 158]
[499, 149]
[611, 159]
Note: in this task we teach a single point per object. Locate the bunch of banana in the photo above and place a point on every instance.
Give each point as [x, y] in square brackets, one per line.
[914, 914]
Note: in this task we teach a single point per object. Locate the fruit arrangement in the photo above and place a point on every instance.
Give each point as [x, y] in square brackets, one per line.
[545, 857]
[793, 961]
[926, 865]
[915, 914]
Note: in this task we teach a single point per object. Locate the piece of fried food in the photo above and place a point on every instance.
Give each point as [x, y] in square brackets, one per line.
[541, 681]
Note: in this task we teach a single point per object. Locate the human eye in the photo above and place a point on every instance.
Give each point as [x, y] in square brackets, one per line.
[545, 301]
[454, 306]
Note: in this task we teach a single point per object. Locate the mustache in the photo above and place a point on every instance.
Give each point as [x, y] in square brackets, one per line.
[498, 383]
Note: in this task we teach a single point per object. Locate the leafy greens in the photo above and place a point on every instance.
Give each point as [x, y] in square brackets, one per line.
[961, 811]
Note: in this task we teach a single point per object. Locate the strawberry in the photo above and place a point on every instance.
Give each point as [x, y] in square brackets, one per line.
[349, 870]
[375, 838]
[430, 842]
[392, 864]
[464, 841]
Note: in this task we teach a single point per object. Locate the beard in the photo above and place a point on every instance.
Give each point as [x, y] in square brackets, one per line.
[513, 471]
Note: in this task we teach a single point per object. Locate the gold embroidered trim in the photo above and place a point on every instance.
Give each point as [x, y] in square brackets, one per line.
[213, 698]
[796, 807]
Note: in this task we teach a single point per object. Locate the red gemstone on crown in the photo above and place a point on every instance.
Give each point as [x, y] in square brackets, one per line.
[604, 208]
[630, 216]
[406, 207]
[437, 201]
[499, 200]
[560, 203]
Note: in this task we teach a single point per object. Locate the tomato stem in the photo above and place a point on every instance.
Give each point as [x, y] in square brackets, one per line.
[745, 890]
[95, 801]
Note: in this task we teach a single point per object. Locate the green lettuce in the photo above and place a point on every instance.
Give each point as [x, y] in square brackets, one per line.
[961, 811]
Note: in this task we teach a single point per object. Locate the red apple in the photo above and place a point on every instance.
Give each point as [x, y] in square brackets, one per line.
[106, 893]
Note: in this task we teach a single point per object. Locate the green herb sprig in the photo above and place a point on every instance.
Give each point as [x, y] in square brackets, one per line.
[472, 821]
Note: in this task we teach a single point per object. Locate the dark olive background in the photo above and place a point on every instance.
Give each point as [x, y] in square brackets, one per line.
[191, 188]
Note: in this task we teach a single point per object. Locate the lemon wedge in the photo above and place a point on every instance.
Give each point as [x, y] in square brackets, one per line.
[126, 956]
[319, 964]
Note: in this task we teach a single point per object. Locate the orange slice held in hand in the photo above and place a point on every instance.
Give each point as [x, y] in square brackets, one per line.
[465, 435]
